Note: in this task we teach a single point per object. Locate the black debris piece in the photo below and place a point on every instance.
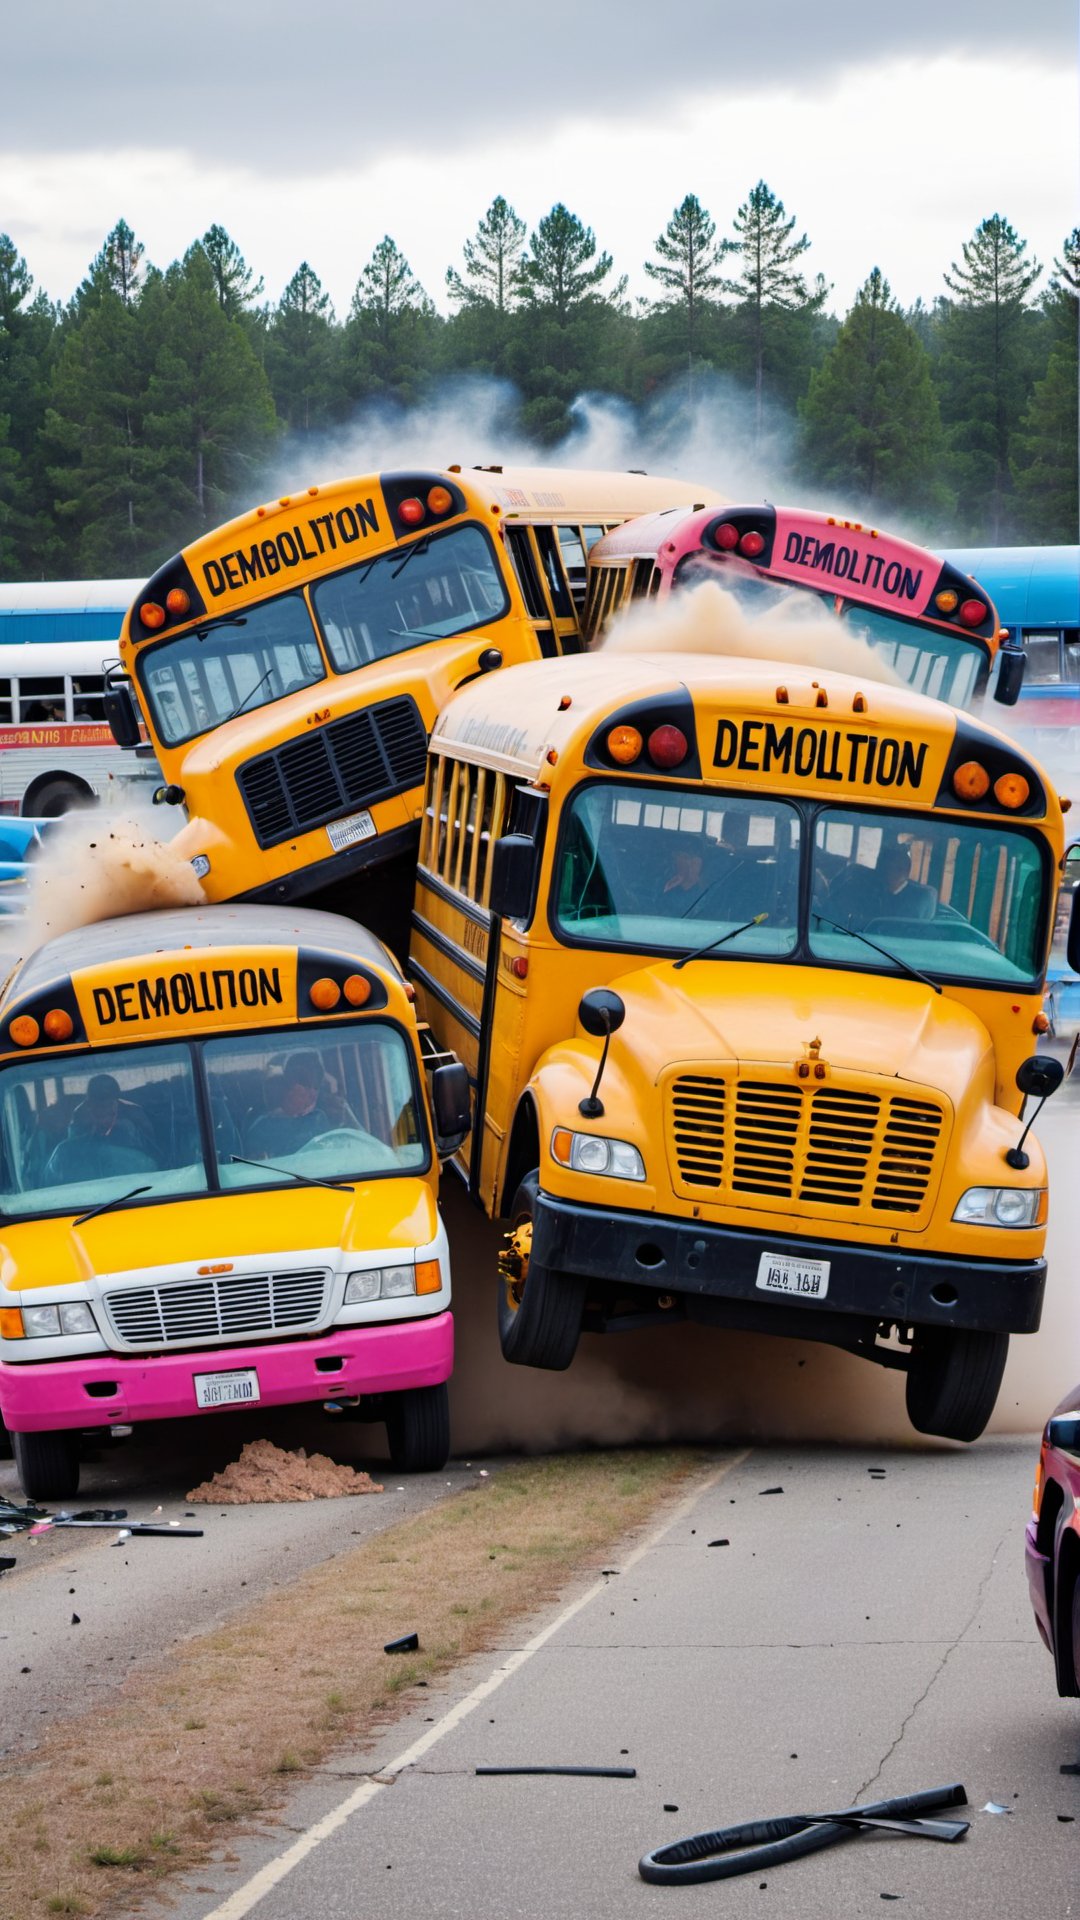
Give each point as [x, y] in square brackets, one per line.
[591, 1773]
[1066, 1819]
[6, 1562]
[603, 1570]
[891, 1896]
[76, 1619]
[764, 1490]
[24, 1669]
[98, 1513]
[408, 1643]
[670, 1807]
[719, 1543]
[1070, 1766]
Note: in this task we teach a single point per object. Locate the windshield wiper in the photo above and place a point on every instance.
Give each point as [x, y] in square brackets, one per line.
[106, 1204]
[419, 546]
[305, 1179]
[719, 941]
[249, 695]
[905, 966]
[230, 620]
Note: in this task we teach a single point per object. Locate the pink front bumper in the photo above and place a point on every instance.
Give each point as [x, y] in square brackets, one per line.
[120, 1390]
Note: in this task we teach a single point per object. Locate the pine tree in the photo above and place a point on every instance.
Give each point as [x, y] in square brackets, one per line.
[492, 261]
[870, 421]
[27, 345]
[392, 330]
[687, 267]
[302, 355]
[237, 287]
[119, 269]
[985, 367]
[555, 275]
[770, 284]
[1044, 452]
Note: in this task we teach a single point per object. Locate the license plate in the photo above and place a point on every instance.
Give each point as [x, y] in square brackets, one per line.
[346, 833]
[237, 1389]
[785, 1273]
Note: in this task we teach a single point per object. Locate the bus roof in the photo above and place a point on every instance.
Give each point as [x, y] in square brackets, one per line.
[515, 719]
[136, 936]
[588, 493]
[1030, 586]
[67, 596]
[34, 658]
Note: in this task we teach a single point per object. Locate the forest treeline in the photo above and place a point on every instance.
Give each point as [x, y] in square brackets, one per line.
[157, 403]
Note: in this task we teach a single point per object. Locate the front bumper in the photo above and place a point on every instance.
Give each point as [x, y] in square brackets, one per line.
[123, 1389]
[396, 844]
[706, 1265]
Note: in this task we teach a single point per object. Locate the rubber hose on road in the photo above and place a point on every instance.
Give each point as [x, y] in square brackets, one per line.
[730, 1851]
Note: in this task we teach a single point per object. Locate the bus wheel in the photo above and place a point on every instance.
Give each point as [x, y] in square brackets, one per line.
[953, 1381]
[5, 1442]
[55, 797]
[47, 1464]
[418, 1430]
[540, 1312]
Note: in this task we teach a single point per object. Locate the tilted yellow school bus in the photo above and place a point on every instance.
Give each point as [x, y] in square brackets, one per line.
[218, 1173]
[746, 968]
[289, 665]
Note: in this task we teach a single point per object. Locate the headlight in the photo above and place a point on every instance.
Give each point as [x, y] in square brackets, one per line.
[379, 1283]
[43, 1322]
[1001, 1206]
[77, 1318]
[40, 1320]
[593, 1153]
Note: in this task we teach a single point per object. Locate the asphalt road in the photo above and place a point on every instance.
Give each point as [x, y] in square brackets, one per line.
[860, 1635]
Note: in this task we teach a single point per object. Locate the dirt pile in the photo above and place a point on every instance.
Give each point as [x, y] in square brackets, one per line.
[267, 1473]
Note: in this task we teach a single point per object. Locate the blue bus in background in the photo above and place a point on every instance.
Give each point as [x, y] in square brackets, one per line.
[46, 610]
[1036, 591]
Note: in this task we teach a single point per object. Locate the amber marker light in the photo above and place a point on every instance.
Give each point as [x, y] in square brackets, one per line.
[177, 601]
[151, 614]
[1041, 1023]
[947, 602]
[561, 1142]
[411, 511]
[971, 781]
[58, 1024]
[24, 1030]
[624, 745]
[440, 499]
[11, 1326]
[324, 994]
[428, 1276]
[1043, 1209]
[1011, 790]
[357, 990]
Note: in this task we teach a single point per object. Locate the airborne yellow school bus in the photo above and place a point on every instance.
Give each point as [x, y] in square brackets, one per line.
[218, 1176]
[289, 665]
[746, 968]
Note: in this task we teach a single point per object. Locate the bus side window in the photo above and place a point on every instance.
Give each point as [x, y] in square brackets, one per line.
[1043, 659]
[552, 562]
[88, 700]
[7, 703]
[1072, 655]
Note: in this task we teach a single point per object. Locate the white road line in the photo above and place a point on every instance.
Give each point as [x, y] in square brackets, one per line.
[248, 1896]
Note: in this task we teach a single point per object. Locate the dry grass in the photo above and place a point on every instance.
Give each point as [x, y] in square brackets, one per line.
[196, 1752]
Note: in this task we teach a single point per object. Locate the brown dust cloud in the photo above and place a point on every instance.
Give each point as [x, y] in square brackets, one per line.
[663, 1384]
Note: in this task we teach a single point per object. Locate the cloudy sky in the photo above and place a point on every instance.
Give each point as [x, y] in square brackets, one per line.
[312, 131]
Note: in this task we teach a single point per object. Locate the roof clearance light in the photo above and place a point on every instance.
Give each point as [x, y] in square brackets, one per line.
[324, 994]
[357, 990]
[411, 511]
[177, 601]
[58, 1024]
[24, 1030]
[151, 614]
[727, 536]
[947, 602]
[440, 499]
[971, 781]
[1011, 790]
[973, 612]
[667, 747]
[751, 544]
[624, 745]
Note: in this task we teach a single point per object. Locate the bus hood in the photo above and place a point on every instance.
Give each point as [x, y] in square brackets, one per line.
[711, 1011]
[281, 1224]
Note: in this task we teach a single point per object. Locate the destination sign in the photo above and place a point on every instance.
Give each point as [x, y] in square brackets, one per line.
[870, 567]
[815, 754]
[319, 534]
[184, 998]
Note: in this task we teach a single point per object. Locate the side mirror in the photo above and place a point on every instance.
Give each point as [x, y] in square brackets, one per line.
[1010, 675]
[514, 862]
[451, 1106]
[601, 1011]
[1063, 1432]
[1039, 1076]
[122, 715]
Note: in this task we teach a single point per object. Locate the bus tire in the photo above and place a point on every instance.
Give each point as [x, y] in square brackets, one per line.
[5, 1442]
[55, 797]
[953, 1381]
[540, 1312]
[418, 1430]
[47, 1464]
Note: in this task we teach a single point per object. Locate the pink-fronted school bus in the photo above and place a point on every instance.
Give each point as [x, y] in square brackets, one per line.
[933, 625]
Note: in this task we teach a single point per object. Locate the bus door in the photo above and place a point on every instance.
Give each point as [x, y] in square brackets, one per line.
[541, 556]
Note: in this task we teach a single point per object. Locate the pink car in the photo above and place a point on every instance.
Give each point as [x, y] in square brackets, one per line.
[1052, 1543]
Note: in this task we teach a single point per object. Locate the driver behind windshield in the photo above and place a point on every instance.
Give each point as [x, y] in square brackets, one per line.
[296, 1115]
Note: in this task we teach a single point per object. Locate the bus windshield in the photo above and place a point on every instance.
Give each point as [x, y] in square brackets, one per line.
[443, 584]
[208, 674]
[945, 666]
[90, 1130]
[646, 868]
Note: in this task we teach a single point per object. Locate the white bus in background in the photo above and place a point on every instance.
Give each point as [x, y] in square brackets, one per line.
[49, 610]
[56, 746]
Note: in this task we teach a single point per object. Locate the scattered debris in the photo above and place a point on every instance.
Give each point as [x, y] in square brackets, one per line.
[765, 1490]
[14, 1519]
[7, 1562]
[592, 1773]
[731, 1851]
[1067, 1819]
[995, 1806]
[172, 1530]
[1070, 1766]
[267, 1473]
[719, 1543]
[76, 1620]
[670, 1806]
[409, 1643]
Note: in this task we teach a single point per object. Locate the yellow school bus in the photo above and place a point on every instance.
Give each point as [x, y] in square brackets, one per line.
[218, 1172]
[289, 665]
[746, 967]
